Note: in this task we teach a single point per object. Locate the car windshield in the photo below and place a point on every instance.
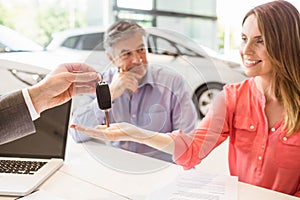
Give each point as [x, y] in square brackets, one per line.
[11, 41]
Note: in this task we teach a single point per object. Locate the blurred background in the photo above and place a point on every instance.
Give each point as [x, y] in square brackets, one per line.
[213, 23]
[200, 38]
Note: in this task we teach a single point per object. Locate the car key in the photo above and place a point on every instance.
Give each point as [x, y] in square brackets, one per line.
[103, 98]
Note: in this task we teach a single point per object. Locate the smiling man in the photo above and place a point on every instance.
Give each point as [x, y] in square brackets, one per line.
[151, 97]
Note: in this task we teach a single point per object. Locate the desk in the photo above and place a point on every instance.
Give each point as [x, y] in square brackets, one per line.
[95, 171]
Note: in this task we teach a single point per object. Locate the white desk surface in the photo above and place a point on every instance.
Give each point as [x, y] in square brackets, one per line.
[95, 171]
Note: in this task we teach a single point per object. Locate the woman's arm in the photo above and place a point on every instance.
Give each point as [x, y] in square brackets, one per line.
[128, 132]
[187, 149]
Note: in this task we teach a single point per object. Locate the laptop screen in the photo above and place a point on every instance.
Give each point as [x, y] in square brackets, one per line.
[49, 140]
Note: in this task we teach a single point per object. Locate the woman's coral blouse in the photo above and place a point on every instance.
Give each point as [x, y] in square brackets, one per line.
[257, 155]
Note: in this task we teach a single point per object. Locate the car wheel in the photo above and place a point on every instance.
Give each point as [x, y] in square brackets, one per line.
[204, 97]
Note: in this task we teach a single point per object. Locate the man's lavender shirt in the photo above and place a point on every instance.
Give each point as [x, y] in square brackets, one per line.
[162, 103]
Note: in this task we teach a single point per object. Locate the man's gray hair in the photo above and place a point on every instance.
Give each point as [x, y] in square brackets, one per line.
[120, 30]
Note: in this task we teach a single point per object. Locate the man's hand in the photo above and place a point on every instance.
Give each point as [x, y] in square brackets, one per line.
[62, 84]
[121, 82]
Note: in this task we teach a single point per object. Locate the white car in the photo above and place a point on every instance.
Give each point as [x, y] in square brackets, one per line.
[204, 71]
[23, 62]
[81, 43]
[12, 41]
[17, 75]
[15, 71]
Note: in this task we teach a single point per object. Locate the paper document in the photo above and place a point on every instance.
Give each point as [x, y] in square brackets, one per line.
[192, 185]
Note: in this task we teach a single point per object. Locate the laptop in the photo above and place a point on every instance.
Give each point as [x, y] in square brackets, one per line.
[27, 162]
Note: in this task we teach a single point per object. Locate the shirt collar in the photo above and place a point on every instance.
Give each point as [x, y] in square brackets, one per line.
[148, 78]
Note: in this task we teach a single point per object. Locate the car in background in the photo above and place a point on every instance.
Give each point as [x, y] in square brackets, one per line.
[12, 41]
[204, 71]
[15, 50]
[24, 62]
[18, 75]
[81, 43]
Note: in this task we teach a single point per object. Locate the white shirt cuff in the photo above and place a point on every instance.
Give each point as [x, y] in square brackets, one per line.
[34, 115]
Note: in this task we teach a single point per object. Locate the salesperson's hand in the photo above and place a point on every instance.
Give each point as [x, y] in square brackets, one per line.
[62, 84]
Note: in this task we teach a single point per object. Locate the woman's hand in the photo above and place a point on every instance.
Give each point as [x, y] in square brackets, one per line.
[116, 132]
[128, 132]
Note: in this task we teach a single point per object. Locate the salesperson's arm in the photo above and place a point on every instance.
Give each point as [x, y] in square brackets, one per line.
[15, 117]
[19, 109]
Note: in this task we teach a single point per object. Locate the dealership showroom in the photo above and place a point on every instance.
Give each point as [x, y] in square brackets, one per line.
[149, 99]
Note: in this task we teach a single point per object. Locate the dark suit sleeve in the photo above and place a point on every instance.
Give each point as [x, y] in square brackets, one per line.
[15, 119]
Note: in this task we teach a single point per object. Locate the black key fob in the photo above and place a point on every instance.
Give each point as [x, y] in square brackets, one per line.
[103, 95]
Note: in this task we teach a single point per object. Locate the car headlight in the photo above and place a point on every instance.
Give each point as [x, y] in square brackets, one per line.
[29, 78]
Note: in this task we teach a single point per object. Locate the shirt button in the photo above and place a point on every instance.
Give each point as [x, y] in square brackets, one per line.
[273, 129]
[259, 157]
[251, 127]
[133, 116]
[263, 147]
[284, 138]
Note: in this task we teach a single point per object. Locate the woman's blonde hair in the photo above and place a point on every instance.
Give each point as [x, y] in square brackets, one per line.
[279, 24]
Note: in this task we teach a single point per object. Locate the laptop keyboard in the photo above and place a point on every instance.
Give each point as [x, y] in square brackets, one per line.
[20, 167]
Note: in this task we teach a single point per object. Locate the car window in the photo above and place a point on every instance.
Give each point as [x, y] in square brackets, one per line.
[93, 41]
[159, 45]
[71, 42]
[185, 51]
